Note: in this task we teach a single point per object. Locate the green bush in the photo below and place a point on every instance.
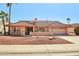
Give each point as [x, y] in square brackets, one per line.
[76, 30]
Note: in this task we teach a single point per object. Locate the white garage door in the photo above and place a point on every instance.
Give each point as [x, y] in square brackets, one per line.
[58, 31]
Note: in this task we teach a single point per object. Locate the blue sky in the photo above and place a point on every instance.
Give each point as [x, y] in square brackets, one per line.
[44, 11]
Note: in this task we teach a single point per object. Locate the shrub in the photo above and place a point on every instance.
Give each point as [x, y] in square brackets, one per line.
[76, 30]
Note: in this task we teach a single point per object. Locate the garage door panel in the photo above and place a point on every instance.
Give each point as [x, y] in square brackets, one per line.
[58, 31]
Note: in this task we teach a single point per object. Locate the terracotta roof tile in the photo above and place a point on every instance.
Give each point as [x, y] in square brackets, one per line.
[39, 23]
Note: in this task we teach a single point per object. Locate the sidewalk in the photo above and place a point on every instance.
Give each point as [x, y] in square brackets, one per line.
[52, 49]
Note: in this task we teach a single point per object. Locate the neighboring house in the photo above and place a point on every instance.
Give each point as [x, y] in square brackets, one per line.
[37, 27]
[1, 27]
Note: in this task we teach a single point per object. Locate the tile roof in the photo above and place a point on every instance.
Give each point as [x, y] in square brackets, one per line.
[22, 23]
[39, 23]
[45, 23]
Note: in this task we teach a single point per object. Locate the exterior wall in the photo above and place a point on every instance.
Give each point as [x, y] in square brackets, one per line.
[41, 33]
[35, 28]
[21, 32]
[12, 31]
[58, 30]
[48, 30]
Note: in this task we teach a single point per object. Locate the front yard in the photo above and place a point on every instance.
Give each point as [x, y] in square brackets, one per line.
[32, 40]
[39, 49]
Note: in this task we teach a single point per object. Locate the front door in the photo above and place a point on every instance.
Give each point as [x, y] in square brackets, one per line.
[28, 30]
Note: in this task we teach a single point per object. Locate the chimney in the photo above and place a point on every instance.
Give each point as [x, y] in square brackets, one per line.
[35, 20]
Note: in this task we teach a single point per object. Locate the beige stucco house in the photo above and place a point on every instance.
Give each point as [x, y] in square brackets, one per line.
[1, 27]
[37, 27]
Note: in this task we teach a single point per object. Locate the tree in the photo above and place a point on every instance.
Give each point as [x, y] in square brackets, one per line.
[9, 6]
[68, 19]
[3, 15]
[76, 30]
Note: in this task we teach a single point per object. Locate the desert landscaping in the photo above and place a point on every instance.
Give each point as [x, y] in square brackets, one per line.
[32, 40]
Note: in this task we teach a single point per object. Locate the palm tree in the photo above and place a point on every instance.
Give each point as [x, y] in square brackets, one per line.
[9, 6]
[3, 15]
[68, 19]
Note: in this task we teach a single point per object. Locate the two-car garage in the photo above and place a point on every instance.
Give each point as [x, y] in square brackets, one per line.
[58, 31]
[58, 28]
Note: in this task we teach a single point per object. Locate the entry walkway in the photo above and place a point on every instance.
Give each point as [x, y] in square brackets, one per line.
[49, 49]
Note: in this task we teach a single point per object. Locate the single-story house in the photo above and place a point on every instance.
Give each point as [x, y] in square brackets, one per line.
[2, 28]
[37, 27]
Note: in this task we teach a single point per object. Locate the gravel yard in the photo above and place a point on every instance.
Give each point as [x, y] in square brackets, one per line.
[32, 40]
